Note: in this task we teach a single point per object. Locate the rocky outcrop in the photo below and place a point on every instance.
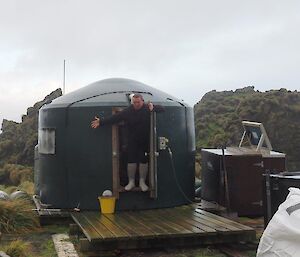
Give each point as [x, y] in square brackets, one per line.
[17, 140]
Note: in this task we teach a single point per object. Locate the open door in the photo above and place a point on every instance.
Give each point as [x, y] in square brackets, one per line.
[118, 160]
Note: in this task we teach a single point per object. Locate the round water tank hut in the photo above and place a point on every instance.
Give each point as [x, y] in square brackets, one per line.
[77, 163]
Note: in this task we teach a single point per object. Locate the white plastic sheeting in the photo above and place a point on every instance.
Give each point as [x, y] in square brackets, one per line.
[282, 235]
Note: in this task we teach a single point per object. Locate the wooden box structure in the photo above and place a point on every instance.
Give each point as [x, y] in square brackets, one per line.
[233, 177]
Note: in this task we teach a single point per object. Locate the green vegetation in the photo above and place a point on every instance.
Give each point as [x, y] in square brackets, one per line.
[17, 248]
[218, 119]
[15, 174]
[16, 216]
[58, 229]
[16, 177]
[37, 243]
[17, 140]
[48, 249]
[17, 219]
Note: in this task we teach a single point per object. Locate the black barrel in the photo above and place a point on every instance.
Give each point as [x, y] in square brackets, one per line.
[275, 190]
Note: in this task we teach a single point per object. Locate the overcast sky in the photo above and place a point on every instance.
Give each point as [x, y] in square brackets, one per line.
[183, 47]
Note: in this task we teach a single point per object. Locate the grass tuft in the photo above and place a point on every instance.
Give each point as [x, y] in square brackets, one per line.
[17, 216]
[27, 186]
[17, 248]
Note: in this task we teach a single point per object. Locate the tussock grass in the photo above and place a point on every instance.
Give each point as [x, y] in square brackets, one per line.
[17, 248]
[14, 174]
[17, 216]
[27, 186]
[8, 189]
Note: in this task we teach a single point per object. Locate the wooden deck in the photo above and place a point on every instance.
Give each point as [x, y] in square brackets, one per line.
[180, 226]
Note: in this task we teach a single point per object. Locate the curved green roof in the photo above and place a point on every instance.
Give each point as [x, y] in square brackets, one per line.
[113, 91]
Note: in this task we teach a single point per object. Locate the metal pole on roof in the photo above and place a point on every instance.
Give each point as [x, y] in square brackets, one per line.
[64, 82]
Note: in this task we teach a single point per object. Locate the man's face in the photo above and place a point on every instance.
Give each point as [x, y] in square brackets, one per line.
[137, 103]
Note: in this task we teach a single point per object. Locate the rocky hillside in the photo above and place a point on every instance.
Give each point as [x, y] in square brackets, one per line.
[218, 119]
[17, 140]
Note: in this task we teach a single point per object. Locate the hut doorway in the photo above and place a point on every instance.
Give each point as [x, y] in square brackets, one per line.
[119, 157]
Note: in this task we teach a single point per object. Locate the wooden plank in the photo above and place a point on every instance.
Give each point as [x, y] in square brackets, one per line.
[140, 231]
[212, 222]
[227, 221]
[223, 224]
[115, 159]
[204, 221]
[181, 222]
[150, 223]
[88, 230]
[188, 217]
[123, 225]
[164, 224]
[135, 189]
[167, 224]
[118, 232]
[99, 227]
[146, 225]
[116, 155]
[177, 223]
[153, 157]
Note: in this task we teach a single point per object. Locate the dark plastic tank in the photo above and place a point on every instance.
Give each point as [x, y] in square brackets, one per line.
[75, 162]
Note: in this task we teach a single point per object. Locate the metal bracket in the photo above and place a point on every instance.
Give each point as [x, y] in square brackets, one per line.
[163, 143]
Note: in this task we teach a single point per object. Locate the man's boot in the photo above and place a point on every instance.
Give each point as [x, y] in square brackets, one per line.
[143, 174]
[131, 169]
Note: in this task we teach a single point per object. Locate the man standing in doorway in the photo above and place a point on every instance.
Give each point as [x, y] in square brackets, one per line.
[137, 119]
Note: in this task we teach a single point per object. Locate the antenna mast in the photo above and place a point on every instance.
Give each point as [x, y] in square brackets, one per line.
[64, 81]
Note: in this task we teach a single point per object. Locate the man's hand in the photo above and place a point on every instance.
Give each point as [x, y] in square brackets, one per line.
[150, 106]
[95, 123]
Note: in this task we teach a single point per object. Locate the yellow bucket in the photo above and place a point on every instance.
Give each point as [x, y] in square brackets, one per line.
[107, 204]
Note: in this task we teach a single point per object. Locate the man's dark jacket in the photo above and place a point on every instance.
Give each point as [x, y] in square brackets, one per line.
[137, 121]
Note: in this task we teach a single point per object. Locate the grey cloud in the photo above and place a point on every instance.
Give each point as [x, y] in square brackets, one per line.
[183, 47]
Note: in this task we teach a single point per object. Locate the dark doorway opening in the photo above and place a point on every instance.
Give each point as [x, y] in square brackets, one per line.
[119, 158]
